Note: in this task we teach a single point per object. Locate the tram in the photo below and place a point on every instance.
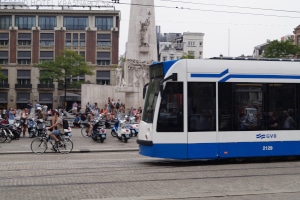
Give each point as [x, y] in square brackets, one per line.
[221, 108]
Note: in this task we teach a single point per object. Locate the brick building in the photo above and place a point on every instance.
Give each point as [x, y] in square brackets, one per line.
[28, 36]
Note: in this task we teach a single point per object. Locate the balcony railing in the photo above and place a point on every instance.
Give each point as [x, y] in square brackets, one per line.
[4, 85]
[23, 86]
[76, 86]
[46, 86]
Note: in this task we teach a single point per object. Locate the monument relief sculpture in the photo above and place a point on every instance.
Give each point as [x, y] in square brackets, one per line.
[144, 32]
[139, 72]
[119, 76]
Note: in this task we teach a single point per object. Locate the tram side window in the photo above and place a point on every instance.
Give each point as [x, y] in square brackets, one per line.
[201, 106]
[282, 113]
[258, 106]
[170, 117]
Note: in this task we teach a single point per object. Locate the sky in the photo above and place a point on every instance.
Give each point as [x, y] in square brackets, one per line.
[231, 27]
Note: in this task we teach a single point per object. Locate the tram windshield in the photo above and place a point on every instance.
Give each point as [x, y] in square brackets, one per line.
[150, 100]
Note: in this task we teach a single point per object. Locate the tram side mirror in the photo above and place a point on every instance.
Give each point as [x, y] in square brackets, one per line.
[161, 89]
[145, 90]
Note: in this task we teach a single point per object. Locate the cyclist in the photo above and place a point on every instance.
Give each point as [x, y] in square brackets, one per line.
[59, 125]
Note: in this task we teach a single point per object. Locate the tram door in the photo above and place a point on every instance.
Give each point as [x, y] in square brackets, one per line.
[202, 136]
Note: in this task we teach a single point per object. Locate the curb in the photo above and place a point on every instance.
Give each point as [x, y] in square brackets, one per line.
[75, 151]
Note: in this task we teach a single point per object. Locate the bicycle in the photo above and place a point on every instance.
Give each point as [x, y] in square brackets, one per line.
[64, 146]
[85, 129]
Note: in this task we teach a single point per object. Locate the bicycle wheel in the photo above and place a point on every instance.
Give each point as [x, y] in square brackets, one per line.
[2, 136]
[65, 145]
[38, 145]
[84, 131]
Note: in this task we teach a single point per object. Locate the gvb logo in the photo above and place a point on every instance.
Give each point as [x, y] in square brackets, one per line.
[268, 136]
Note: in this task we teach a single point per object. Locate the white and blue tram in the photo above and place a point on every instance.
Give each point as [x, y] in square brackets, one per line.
[221, 108]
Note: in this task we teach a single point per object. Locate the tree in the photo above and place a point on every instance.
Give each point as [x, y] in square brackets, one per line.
[65, 66]
[187, 56]
[281, 49]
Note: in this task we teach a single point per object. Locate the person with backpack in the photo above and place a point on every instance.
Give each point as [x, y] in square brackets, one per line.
[59, 125]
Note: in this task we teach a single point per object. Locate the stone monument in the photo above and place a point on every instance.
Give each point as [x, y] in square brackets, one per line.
[131, 74]
[141, 51]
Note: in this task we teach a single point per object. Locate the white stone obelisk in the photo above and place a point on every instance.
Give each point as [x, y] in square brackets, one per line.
[141, 50]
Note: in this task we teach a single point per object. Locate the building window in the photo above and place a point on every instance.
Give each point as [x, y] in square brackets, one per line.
[164, 58]
[200, 44]
[24, 57]
[46, 98]
[77, 81]
[171, 57]
[68, 39]
[24, 39]
[298, 40]
[75, 23]
[25, 22]
[103, 40]
[23, 77]
[45, 81]
[47, 39]
[47, 22]
[82, 40]
[103, 77]
[103, 58]
[4, 38]
[104, 23]
[77, 39]
[191, 43]
[5, 80]
[3, 57]
[5, 22]
[46, 55]
[191, 53]
[82, 53]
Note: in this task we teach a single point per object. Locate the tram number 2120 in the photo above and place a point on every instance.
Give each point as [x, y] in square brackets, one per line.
[267, 148]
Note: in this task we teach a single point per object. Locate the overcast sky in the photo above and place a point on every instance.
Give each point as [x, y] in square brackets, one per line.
[231, 27]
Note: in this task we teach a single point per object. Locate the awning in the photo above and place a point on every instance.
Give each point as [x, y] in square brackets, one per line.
[70, 97]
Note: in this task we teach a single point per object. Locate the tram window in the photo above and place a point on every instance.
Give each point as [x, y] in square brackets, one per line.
[258, 106]
[170, 117]
[282, 106]
[201, 106]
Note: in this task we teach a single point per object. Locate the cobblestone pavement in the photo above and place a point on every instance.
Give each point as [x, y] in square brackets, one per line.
[80, 143]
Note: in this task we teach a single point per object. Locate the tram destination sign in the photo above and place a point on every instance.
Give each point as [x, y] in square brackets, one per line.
[75, 3]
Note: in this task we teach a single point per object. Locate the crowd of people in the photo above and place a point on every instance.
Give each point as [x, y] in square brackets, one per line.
[110, 111]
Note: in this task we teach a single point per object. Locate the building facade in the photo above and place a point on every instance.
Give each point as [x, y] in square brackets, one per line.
[173, 46]
[28, 36]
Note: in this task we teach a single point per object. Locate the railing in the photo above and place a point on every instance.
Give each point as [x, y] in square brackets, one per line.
[4, 85]
[46, 86]
[23, 86]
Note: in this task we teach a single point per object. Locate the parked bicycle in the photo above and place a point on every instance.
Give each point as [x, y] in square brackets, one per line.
[40, 144]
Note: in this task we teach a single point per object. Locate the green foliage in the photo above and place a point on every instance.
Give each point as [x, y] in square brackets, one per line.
[67, 65]
[187, 56]
[281, 49]
[2, 76]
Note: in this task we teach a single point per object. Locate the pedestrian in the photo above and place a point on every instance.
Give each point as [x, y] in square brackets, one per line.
[24, 117]
[74, 107]
[29, 106]
[11, 115]
[77, 121]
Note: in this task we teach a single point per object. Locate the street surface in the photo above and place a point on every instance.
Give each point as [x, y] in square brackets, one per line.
[127, 175]
[115, 171]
